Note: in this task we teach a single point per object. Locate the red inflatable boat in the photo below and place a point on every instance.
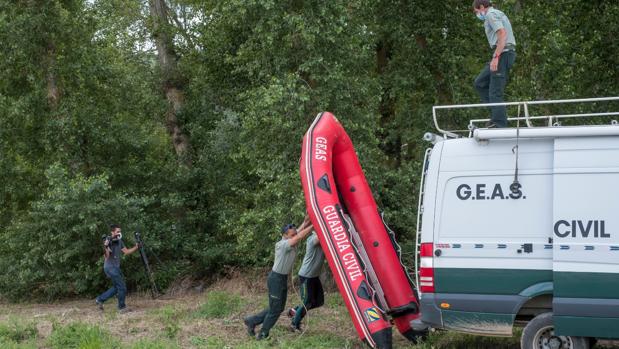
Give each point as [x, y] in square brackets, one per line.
[361, 252]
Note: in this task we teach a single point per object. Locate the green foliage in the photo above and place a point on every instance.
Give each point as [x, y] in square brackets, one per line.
[219, 304]
[81, 336]
[83, 138]
[61, 232]
[275, 65]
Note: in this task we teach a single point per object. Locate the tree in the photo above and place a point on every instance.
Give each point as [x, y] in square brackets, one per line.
[172, 81]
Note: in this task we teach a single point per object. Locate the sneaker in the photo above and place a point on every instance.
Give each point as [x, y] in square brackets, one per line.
[491, 124]
[251, 329]
[99, 304]
[124, 310]
[292, 328]
[260, 336]
[292, 312]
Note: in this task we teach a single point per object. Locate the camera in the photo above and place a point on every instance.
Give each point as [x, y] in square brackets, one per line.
[110, 238]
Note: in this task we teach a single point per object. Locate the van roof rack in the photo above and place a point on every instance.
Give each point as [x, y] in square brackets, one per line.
[525, 119]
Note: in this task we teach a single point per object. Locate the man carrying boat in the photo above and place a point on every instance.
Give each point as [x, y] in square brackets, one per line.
[277, 282]
[311, 287]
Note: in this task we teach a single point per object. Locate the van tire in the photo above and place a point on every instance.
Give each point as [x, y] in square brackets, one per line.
[539, 334]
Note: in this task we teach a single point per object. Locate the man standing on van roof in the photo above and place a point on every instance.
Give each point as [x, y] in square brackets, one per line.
[491, 81]
[312, 293]
[277, 282]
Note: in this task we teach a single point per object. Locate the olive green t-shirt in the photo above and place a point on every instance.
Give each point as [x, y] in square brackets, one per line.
[284, 257]
[314, 257]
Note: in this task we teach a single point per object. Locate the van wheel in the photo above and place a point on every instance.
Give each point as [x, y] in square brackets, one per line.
[540, 334]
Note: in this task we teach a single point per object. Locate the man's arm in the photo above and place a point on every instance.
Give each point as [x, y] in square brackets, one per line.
[316, 241]
[306, 221]
[300, 235]
[130, 250]
[500, 45]
[106, 249]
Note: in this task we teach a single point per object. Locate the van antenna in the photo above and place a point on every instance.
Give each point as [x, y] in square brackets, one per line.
[515, 186]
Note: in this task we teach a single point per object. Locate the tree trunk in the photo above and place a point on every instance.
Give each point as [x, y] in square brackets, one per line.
[172, 82]
[391, 144]
[444, 93]
[53, 92]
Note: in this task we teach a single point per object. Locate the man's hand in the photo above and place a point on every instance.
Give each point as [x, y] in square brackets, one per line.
[500, 45]
[301, 234]
[494, 64]
[127, 251]
[306, 222]
[106, 249]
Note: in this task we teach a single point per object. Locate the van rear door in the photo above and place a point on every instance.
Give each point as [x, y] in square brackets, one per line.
[586, 236]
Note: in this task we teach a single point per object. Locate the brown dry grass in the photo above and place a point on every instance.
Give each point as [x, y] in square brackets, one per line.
[174, 316]
[175, 320]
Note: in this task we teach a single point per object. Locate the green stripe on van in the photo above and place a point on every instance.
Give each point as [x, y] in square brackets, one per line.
[487, 281]
[586, 285]
[586, 326]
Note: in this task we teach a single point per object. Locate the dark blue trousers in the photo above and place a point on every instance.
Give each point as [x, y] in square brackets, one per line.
[119, 289]
[491, 86]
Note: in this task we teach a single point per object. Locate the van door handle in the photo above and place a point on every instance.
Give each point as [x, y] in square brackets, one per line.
[438, 252]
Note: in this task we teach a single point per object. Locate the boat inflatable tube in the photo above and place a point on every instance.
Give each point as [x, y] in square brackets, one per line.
[360, 252]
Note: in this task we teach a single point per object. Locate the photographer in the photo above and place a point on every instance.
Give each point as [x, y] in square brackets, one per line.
[113, 246]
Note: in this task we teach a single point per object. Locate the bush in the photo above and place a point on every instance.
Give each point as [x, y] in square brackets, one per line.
[55, 250]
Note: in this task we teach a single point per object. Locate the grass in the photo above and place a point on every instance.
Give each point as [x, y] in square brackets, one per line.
[209, 320]
[334, 300]
[81, 336]
[455, 340]
[322, 341]
[219, 304]
[210, 342]
[16, 330]
[170, 317]
[17, 345]
[153, 344]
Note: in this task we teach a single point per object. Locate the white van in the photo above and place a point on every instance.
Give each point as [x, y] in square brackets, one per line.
[520, 226]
